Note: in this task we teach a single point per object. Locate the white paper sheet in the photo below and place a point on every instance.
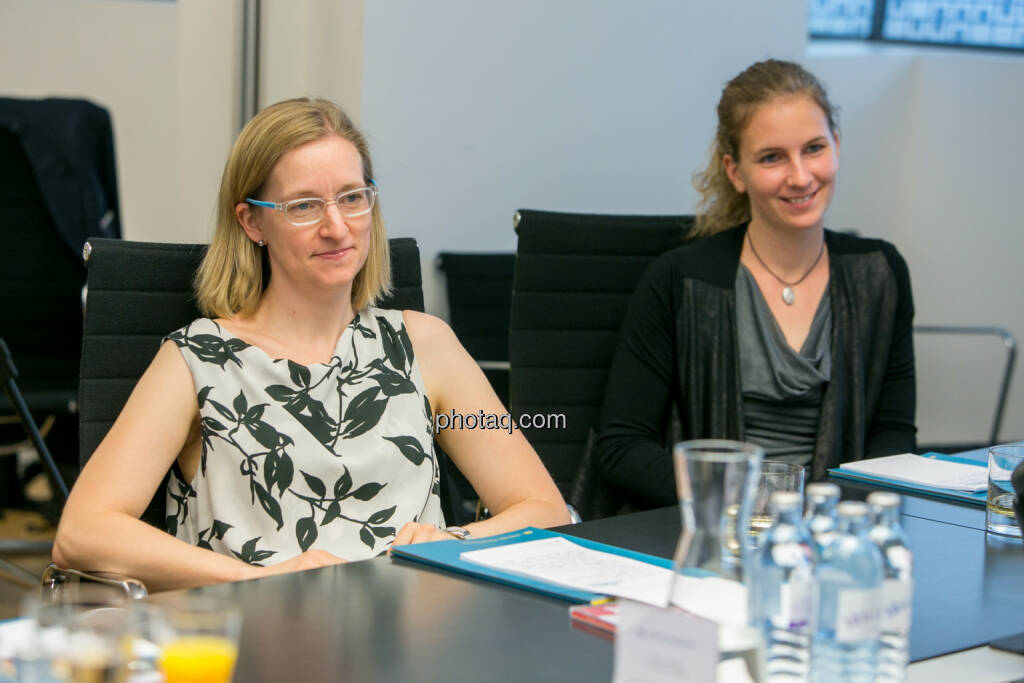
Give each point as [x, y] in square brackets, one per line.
[560, 561]
[916, 469]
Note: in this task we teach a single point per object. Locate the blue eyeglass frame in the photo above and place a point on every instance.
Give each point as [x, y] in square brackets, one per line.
[280, 206]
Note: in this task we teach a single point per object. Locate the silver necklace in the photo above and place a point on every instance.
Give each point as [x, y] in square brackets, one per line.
[788, 297]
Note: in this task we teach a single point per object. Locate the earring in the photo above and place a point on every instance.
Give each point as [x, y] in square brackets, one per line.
[261, 243]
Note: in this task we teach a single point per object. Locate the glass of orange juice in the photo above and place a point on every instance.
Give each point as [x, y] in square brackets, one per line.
[200, 643]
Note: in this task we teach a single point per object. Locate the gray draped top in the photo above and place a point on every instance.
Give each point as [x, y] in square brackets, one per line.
[782, 388]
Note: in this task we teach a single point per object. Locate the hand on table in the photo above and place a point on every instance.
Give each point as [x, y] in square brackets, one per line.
[311, 559]
[414, 532]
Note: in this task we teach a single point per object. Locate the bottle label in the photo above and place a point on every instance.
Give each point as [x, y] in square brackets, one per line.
[900, 557]
[858, 614]
[896, 600]
[797, 602]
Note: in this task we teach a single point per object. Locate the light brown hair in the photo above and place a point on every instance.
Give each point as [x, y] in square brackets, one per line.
[235, 271]
[720, 205]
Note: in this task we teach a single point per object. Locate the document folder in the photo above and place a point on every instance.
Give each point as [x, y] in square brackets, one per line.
[448, 555]
[976, 457]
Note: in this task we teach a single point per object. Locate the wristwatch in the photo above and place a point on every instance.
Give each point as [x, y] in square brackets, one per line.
[458, 532]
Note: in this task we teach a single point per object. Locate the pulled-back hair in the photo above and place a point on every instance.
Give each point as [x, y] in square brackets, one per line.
[720, 205]
[234, 271]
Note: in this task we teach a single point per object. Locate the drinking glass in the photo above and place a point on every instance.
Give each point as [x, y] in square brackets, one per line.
[81, 635]
[775, 476]
[1000, 517]
[200, 644]
[716, 481]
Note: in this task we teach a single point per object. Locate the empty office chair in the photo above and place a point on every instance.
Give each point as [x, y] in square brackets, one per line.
[967, 358]
[141, 291]
[479, 304]
[58, 187]
[574, 277]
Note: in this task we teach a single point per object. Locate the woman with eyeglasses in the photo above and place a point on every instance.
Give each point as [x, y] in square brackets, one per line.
[296, 419]
[766, 327]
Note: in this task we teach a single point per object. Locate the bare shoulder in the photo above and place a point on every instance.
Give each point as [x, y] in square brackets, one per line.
[426, 331]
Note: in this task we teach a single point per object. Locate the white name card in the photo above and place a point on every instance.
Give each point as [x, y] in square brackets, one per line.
[655, 645]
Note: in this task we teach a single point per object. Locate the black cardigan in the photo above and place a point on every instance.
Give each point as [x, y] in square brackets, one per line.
[678, 353]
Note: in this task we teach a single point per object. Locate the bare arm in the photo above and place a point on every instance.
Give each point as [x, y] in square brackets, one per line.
[100, 528]
[502, 467]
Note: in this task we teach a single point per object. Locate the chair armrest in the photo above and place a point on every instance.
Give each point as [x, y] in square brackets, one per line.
[56, 580]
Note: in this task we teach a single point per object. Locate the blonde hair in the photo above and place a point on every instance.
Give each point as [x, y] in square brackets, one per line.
[235, 271]
[720, 205]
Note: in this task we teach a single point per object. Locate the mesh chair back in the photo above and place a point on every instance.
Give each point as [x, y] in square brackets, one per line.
[40, 290]
[479, 301]
[141, 291]
[574, 276]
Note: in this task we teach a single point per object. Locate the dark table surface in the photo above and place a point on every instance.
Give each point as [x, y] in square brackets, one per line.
[387, 620]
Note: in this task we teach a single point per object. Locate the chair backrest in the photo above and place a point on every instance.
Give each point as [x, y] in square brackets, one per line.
[41, 282]
[138, 292]
[574, 276]
[480, 300]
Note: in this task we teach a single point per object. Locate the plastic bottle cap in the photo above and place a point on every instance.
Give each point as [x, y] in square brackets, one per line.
[852, 508]
[784, 498]
[884, 499]
[822, 489]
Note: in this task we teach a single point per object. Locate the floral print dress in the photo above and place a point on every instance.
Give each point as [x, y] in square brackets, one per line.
[335, 456]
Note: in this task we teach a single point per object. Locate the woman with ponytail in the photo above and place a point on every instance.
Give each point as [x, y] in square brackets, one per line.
[766, 327]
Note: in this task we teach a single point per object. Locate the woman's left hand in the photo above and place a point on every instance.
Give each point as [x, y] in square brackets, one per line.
[414, 532]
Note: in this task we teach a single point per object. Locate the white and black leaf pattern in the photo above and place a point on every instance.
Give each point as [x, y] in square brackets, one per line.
[363, 413]
[391, 383]
[278, 470]
[315, 484]
[299, 374]
[368, 491]
[381, 516]
[210, 348]
[249, 553]
[255, 430]
[394, 350]
[343, 484]
[409, 447]
[305, 533]
[270, 504]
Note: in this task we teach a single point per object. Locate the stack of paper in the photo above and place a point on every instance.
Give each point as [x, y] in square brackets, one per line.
[923, 471]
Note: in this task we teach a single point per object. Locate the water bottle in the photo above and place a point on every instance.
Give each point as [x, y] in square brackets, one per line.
[821, 517]
[850, 574]
[782, 590]
[897, 588]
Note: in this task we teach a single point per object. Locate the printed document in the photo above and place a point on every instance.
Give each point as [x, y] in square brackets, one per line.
[559, 560]
[917, 469]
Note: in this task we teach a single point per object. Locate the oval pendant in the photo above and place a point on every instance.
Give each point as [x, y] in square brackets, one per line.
[788, 297]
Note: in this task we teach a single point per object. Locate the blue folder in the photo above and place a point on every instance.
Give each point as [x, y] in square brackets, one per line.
[975, 457]
[448, 555]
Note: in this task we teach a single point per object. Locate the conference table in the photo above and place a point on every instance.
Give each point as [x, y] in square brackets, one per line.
[394, 620]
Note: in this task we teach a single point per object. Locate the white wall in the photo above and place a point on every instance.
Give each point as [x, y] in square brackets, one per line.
[930, 160]
[165, 72]
[576, 105]
[573, 105]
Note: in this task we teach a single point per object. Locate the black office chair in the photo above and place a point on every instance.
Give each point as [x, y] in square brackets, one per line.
[479, 304]
[137, 293]
[574, 276]
[41, 283]
[58, 187]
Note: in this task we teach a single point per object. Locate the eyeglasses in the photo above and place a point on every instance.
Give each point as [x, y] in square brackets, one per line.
[310, 210]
